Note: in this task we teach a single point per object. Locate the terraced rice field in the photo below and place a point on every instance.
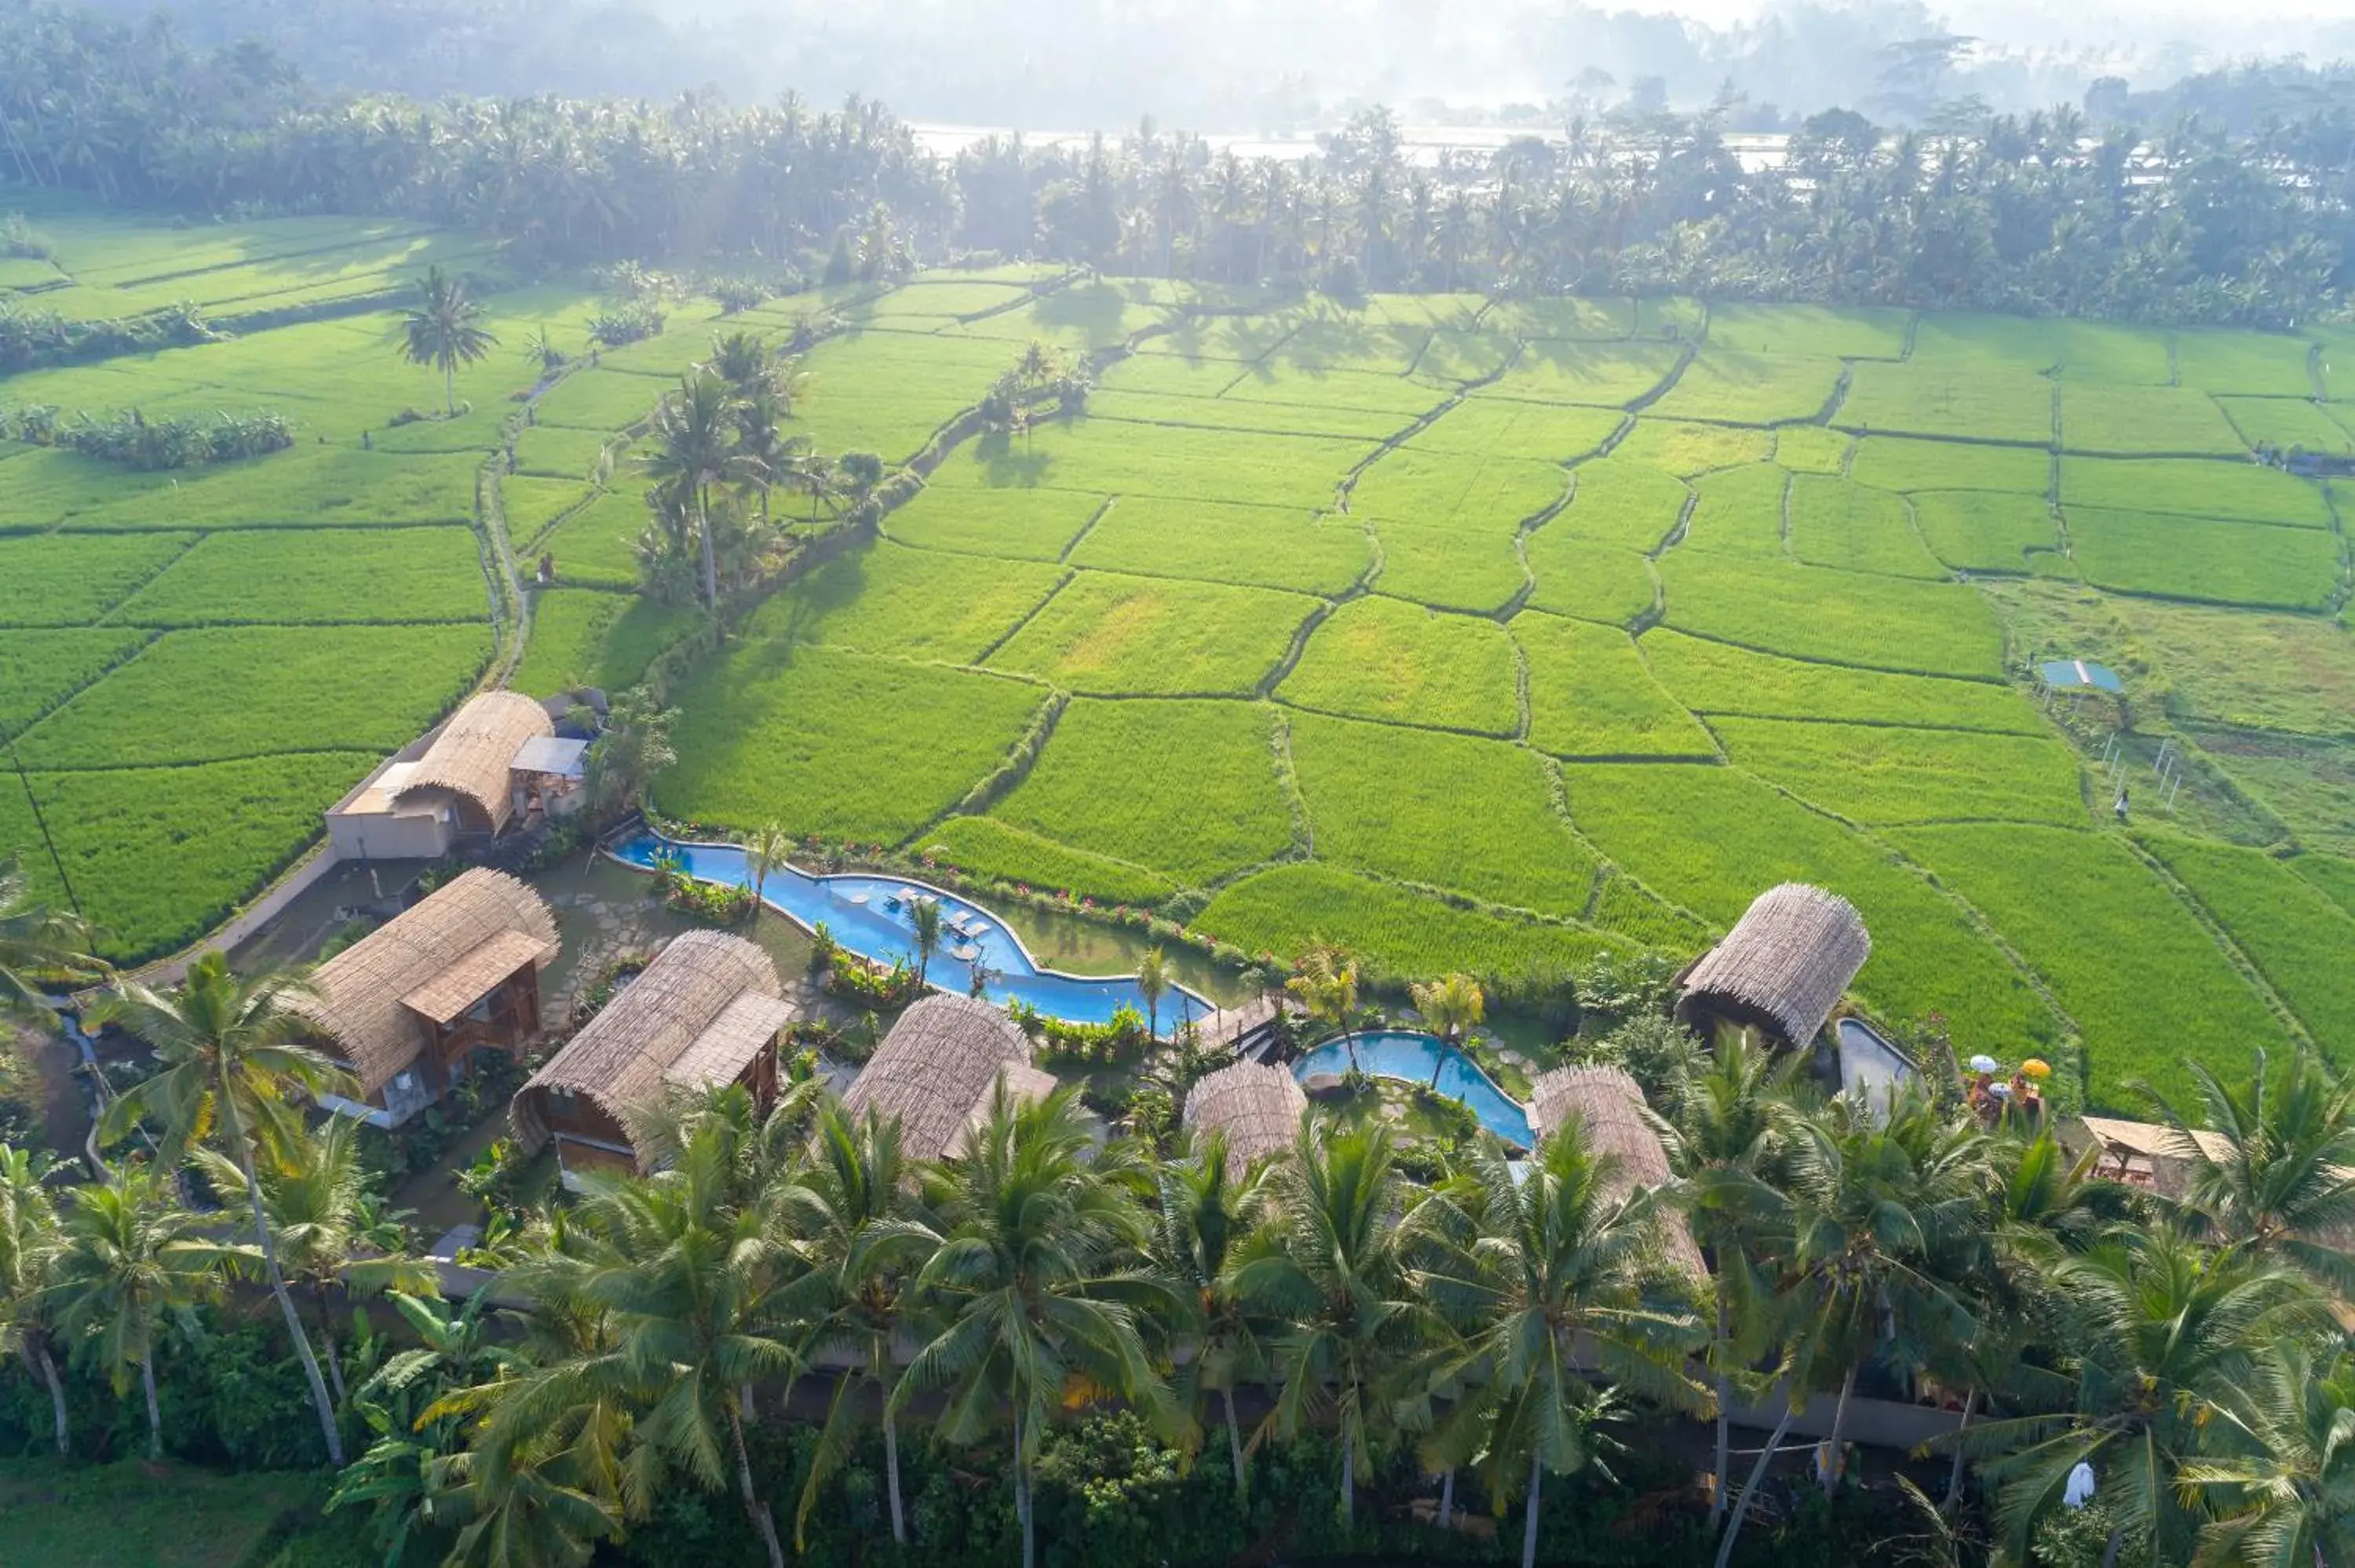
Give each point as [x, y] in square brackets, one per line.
[1468, 635]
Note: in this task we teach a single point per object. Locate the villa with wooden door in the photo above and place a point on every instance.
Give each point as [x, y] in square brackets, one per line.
[407, 1006]
[706, 1012]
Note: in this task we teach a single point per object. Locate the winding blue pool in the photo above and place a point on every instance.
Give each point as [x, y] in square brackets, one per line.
[869, 915]
[1419, 1058]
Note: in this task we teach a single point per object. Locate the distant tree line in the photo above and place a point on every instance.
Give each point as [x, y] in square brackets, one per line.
[2181, 220]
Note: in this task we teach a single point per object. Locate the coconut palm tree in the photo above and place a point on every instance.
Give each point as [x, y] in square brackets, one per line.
[1451, 1005]
[769, 848]
[694, 445]
[328, 1226]
[40, 950]
[1330, 1268]
[130, 1260]
[1153, 978]
[1205, 1213]
[925, 914]
[1326, 985]
[1037, 1287]
[684, 1275]
[2165, 1331]
[28, 1254]
[234, 1067]
[1540, 1270]
[444, 330]
[862, 1239]
[2285, 1175]
[2287, 1494]
[632, 749]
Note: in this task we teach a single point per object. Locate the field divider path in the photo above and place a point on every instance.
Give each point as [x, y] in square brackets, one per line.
[1071, 575]
[24, 726]
[1001, 780]
[1558, 801]
[1086, 528]
[2222, 935]
[1913, 331]
[1287, 780]
[1686, 355]
[106, 617]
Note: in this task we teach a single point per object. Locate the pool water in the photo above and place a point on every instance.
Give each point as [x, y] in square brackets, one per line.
[869, 915]
[1419, 1058]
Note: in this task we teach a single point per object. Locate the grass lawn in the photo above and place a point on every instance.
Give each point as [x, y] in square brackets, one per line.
[116, 1516]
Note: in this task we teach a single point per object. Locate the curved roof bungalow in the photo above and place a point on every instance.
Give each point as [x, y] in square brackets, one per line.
[494, 761]
[1609, 1107]
[406, 1004]
[937, 1070]
[1781, 970]
[706, 1012]
[1255, 1106]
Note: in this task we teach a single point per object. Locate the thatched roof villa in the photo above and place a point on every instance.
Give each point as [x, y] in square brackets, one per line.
[937, 1069]
[706, 1012]
[406, 1004]
[1782, 969]
[1609, 1106]
[1255, 1106]
[494, 761]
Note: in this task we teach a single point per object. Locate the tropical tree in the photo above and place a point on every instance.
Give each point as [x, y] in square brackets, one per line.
[328, 1227]
[695, 445]
[1453, 1005]
[2277, 1172]
[131, 1259]
[1326, 985]
[235, 1068]
[924, 913]
[1568, 1258]
[40, 950]
[1153, 978]
[1330, 1269]
[633, 748]
[444, 330]
[768, 847]
[1205, 1211]
[1038, 1285]
[862, 1238]
[28, 1254]
[2285, 1483]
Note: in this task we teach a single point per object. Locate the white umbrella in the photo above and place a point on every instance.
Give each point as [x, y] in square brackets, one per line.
[1984, 1065]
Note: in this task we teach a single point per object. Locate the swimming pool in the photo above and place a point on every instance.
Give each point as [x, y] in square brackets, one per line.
[869, 915]
[1416, 1058]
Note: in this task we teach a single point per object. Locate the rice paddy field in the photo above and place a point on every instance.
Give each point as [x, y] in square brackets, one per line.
[1466, 634]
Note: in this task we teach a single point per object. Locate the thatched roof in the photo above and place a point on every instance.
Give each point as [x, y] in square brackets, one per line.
[1609, 1106]
[1023, 1083]
[472, 754]
[1256, 1107]
[1786, 962]
[938, 1062]
[698, 1015]
[460, 933]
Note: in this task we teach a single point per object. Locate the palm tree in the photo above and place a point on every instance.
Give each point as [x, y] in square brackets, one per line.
[862, 1239]
[233, 1064]
[685, 1274]
[2166, 1331]
[1875, 1199]
[1539, 1270]
[1036, 1286]
[39, 949]
[1326, 985]
[445, 329]
[1451, 1005]
[131, 1258]
[694, 445]
[326, 1223]
[2288, 1496]
[1205, 1213]
[29, 1253]
[925, 914]
[1152, 975]
[767, 848]
[632, 749]
[1331, 1268]
[2279, 1172]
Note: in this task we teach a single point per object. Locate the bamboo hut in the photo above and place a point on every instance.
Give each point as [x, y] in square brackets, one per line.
[467, 763]
[937, 1068]
[1781, 970]
[1609, 1107]
[1256, 1108]
[406, 1004]
[706, 1012]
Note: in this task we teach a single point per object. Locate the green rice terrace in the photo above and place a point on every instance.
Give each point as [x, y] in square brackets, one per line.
[1465, 634]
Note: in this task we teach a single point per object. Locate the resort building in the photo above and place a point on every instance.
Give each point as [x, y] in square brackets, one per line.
[1781, 970]
[495, 764]
[938, 1069]
[1609, 1106]
[1255, 1107]
[706, 1012]
[407, 1005]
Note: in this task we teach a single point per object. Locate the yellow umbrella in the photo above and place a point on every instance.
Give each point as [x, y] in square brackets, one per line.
[2037, 1067]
